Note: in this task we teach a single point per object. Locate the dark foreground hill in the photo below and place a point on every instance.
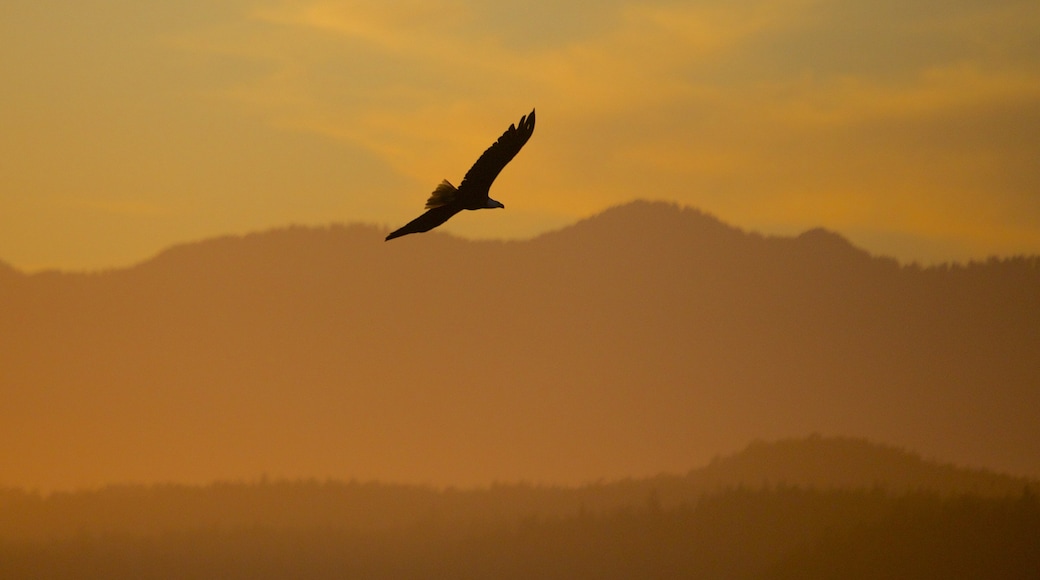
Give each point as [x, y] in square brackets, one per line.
[781, 533]
[813, 463]
[646, 339]
[857, 510]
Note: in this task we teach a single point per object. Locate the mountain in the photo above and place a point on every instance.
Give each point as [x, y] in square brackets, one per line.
[648, 338]
[819, 462]
[813, 464]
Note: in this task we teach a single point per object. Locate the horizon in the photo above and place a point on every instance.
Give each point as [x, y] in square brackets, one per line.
[384, 228]
[742, 458]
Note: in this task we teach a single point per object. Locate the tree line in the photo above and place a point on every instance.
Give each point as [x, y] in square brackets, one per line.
[767, 532]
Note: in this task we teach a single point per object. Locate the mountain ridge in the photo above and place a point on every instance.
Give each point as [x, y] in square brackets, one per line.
[627, 345]
[667, 217]
[810, 463]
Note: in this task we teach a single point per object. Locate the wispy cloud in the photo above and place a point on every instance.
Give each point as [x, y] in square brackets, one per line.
[857, 115]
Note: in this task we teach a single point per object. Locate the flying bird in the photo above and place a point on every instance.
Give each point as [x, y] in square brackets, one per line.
[448, 200]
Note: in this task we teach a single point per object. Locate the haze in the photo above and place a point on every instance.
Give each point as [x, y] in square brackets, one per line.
[646, 339]
[127, 127]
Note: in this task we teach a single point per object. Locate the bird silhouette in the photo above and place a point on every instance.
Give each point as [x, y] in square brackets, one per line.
[448, 200]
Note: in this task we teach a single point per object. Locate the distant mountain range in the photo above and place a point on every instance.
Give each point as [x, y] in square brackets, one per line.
[818, 464]
[646, 339]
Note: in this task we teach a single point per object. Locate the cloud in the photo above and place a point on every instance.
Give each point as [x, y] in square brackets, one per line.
[811, 109]
[773, 115]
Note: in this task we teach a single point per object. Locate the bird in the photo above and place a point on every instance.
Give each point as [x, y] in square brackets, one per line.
[472, 193]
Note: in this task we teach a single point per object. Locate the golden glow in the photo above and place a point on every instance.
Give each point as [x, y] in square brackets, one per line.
[130, 128]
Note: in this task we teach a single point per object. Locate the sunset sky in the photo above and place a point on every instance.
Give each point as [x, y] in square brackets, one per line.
[126, 126]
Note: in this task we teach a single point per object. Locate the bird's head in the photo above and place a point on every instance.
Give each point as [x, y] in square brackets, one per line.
[493, 204]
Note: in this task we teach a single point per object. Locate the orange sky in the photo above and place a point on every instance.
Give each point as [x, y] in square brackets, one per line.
[911, 127]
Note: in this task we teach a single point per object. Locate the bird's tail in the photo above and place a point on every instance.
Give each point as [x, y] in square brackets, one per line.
[443, 195]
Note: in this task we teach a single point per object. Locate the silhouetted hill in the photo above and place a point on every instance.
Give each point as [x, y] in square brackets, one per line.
[646, 339]
[752, 534]
[660, 527]
[813, 463]
[848, 463]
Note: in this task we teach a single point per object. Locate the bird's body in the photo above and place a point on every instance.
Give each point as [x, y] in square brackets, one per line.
[448, 200]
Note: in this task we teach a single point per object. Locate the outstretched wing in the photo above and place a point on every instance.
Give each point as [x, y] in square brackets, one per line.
[426, 222]
[479, 177]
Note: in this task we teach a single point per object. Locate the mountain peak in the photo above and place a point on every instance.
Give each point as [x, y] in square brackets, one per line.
[830, 246]
[848, 462]
[644, 223]
[656, 215]
[823, 236]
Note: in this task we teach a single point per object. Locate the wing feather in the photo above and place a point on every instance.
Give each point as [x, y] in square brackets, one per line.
[444, 194]
[479, 178]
